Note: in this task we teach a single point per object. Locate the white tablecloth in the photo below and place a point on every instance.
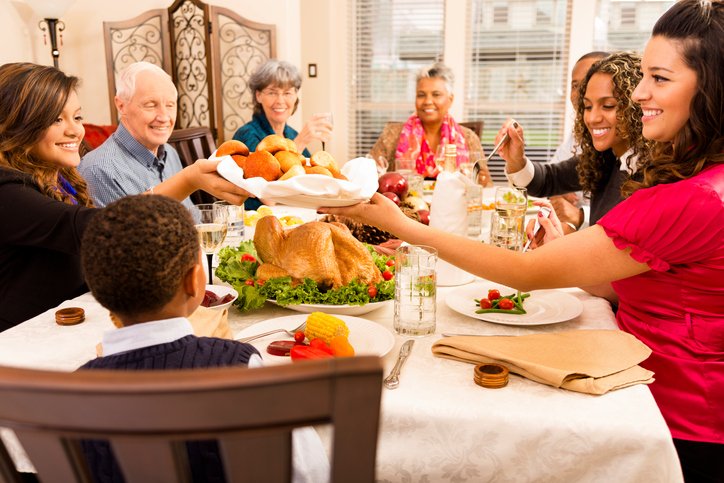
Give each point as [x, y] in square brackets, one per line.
[439, 425]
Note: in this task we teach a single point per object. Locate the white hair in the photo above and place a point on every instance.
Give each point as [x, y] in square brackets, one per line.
[126, 79]
[438, 70]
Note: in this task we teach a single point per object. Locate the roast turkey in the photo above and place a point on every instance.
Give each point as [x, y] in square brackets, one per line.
[325, 252]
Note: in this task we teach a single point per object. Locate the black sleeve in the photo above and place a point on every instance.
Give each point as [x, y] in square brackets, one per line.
[552, 179]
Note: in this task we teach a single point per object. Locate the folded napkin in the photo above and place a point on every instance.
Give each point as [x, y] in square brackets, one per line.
[449, 213]
[205, 321]
[588, 361]
[361, 173]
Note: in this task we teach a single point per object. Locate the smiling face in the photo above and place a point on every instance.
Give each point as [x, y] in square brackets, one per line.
[278, 103]
[599, 114]
[151, 114]
[59, 145]
[432, 101]
[666, 90]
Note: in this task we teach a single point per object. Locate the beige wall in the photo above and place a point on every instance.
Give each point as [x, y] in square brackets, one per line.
[83, 51]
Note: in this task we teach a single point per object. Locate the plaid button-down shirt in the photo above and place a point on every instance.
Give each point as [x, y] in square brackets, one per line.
[122, 166]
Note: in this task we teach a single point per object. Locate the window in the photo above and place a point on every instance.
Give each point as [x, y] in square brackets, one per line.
[626, 26]
[518, 70]
[389, 41]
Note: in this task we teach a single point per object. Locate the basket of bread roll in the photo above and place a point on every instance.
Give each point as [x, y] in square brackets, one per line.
[276, 171]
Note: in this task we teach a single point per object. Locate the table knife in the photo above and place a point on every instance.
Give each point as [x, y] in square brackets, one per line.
[392, 381]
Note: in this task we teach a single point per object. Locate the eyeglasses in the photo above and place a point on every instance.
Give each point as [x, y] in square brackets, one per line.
[276, 93]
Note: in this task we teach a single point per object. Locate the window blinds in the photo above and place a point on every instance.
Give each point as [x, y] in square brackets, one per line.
[626, 25]
[516, 66]
[389, 40]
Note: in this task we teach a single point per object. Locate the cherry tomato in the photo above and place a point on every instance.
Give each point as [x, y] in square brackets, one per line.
[391, 262]
[493, 294]
[372, 292]
[299, 336]
[387, 275]
[249, 282]
[506, 304]
[247, 258]
[485, 304]
[260, 282]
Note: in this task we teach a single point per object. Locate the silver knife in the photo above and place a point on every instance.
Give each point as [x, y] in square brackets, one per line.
[392, 381]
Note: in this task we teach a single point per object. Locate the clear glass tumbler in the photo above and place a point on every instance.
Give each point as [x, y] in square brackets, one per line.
[415, 290]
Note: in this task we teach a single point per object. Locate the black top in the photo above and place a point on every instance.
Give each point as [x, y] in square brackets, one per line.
[39, 249]
[185, 353]
[551, 179]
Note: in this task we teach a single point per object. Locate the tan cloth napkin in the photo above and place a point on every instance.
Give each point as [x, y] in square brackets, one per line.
[206, 323]
[588, 361]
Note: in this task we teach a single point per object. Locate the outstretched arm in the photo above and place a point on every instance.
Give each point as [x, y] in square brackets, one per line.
[588, 257]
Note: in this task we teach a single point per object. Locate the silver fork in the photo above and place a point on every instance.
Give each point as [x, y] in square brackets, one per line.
[290, 332]
[483, 162]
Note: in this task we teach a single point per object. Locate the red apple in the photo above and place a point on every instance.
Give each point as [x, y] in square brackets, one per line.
[393, 182]
[392, 196]
[424, 216]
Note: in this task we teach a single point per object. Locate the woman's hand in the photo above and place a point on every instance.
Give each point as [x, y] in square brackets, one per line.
[380, 212]
[512, 150]
[550, 227]
[318, 127]
[202, 175]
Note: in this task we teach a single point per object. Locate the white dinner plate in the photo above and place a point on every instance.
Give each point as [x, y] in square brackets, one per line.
[336, 309]
[368, 338]
[543, 306]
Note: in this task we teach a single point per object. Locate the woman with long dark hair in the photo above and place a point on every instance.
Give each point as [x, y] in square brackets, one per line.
[44, 203]
[662, 249]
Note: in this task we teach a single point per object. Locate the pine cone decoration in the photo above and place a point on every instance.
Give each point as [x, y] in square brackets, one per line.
[364, 233]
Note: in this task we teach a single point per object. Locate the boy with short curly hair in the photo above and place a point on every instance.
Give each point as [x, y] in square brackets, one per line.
[142, 261]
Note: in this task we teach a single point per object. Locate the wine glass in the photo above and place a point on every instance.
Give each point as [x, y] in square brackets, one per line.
[440, 157]
[211, 223]
[328, 116]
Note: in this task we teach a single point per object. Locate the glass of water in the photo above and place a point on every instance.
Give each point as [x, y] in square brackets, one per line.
[415, 290]
[235, 221]
[507, 231]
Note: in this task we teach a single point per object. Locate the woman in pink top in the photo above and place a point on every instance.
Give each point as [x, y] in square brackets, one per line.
[663, 247]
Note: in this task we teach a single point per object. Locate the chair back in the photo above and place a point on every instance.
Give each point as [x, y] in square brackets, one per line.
[148, 415]
[192, 144]
[475, 126]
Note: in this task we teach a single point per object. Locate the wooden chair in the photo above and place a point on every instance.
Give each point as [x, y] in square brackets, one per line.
[192, 144]
[148, 415]
[475, 126]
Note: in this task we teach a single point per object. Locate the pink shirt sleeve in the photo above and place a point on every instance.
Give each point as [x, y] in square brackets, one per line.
[669, 224]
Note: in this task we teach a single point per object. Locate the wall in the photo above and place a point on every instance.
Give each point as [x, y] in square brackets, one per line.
[83, 50]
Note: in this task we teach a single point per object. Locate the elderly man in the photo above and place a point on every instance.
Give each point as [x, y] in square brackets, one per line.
[136, 157]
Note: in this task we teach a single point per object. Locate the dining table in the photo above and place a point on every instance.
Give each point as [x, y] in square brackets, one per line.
[438, 425]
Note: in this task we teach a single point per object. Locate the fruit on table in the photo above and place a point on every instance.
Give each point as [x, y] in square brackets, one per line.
[394, 183]
[325, 327]
[392, 196]
[290, 220]
[424, 216]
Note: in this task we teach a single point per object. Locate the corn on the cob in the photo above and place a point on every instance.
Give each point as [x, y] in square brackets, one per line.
[324, 326]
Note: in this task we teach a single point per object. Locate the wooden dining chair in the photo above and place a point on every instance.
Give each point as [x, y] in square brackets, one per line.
[475, 126]
[192, 144]
[147, 416]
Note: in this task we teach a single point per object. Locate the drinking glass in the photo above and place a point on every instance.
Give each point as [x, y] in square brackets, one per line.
[511, 201]
[415, 290]
[235, 221]
[507, 231]
[328, 116]
[211, 223]
[474, 195]
[440, 157]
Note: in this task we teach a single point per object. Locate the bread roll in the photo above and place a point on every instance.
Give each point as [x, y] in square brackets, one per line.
[239, 160]
[273, 143]
[325, 160]
[287, 160]
[261, 164]
[293, 171]
[317, 170]
[232, 146]
[291, 145]
[339, 176]
[302, 159]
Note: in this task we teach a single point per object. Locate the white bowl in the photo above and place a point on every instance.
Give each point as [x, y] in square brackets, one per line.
[221, 291]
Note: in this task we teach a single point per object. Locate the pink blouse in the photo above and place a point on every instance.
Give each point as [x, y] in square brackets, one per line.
[677, 308]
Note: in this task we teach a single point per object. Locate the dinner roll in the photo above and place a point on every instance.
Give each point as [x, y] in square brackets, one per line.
[287, 160]
[232, 146]
[273, 143]
[239, 160]
[317, 170]
[325, 160]
[261, 164]
[293, 171]
[291, 145]
[339, 176]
